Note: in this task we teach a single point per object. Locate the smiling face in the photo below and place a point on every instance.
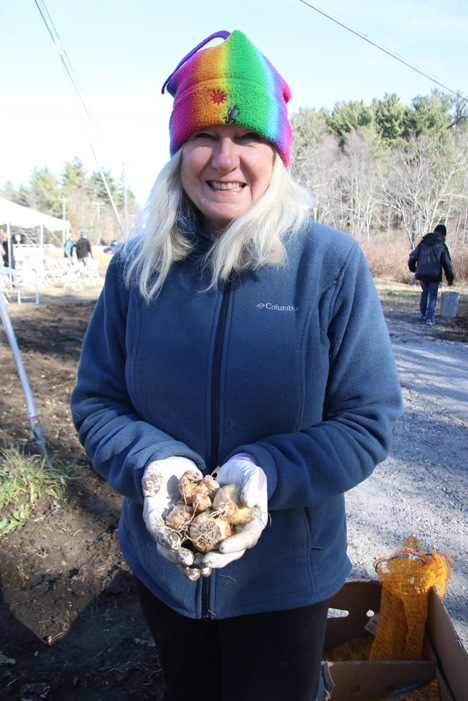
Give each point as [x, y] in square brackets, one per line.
[224, 170]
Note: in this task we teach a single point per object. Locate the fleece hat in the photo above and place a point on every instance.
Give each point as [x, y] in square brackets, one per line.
[441, 229]
[232, 83]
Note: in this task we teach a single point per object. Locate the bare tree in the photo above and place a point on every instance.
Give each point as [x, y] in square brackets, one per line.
[319, 167]
[360, 184]
[417, 181]
[379, 177]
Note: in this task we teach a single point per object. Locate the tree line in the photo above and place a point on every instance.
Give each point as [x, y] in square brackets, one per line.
[82, 198]
[384, 166]
[373, 168]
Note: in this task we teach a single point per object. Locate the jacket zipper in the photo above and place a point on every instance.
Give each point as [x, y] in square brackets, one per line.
[215, 392]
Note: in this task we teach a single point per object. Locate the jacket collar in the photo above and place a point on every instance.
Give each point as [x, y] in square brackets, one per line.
[189, 225]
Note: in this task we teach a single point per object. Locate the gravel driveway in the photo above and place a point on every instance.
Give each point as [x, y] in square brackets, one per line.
[422, 487]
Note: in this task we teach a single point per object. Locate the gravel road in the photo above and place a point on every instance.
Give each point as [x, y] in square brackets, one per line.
[422, 487]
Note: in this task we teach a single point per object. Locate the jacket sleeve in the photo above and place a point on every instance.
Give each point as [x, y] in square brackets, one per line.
[413, 259]
[118, 442]
[447, 264]
[362, 403]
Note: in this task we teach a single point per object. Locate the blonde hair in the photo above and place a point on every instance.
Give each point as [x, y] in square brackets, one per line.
[254, 239]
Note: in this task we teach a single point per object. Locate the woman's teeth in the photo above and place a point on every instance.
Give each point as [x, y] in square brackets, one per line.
[215, 185]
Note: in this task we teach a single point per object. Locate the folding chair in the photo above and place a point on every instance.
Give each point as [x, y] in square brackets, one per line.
[65, 264]
[37, 263]
[54, 269]
[91, 271]
[72, 278]
[26, 278]
[6, 283]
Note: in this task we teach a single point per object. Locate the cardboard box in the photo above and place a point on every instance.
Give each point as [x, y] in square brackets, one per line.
[444, 657]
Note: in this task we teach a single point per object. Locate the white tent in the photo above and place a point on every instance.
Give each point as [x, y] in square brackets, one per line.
[15, 215]
[12, 214]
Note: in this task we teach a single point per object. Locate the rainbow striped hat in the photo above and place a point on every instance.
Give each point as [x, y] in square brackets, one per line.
[232, 83]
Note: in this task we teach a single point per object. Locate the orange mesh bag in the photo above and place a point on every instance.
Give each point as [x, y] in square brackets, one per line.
[406, 578]
[430, 692]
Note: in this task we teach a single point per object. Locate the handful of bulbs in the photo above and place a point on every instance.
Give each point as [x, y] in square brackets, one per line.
[206, 513]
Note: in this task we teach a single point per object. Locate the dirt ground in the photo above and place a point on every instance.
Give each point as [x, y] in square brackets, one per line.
[69, 620]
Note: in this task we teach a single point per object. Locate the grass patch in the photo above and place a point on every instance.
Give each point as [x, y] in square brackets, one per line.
[23, 479]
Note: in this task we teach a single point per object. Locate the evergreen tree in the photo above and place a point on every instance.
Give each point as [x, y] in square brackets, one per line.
[308, 124]
[349, 116]
[96, 188]
[73, 176]
[43, 193]
[9, 192]
[460, 111]
[390, 116]
[429, 114]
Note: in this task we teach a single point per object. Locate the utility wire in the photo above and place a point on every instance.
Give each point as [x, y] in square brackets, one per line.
[78, 90]
[108, 192]
[68, 67]
[23, 49]
[381, 48]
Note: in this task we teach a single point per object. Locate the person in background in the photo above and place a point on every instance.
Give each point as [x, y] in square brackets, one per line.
[235, 336]
[427, 260]
[68, 247]
[8, 257]
[83, 248]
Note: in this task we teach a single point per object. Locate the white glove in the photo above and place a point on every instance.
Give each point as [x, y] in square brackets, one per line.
[161, 492]
[243, 471]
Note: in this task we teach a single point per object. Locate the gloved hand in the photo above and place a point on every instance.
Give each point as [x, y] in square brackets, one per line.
[161, 492]
[253, 482]
[450, 283]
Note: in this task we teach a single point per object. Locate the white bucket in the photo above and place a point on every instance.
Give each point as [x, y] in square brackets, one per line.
[449, 303]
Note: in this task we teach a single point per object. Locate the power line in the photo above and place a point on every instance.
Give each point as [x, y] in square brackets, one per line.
[23, 49]
[67, 65]
[381, 48]
[78, 90]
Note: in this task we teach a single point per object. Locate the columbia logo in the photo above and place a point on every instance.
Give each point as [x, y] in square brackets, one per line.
[277, 307]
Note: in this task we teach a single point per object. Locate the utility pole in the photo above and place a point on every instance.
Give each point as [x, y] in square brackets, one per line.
[64, 213]
[98, 205]
[64, 206]
[124, 183]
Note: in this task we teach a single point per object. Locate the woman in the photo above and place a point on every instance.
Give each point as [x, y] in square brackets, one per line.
[235, 333]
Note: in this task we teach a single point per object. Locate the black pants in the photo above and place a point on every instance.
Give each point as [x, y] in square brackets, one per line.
[260, 657]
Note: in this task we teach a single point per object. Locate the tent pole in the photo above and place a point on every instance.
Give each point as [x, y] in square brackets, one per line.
[35, 424]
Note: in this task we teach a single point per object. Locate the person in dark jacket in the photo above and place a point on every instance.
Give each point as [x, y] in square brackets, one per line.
[427, 260]
[236, 337]
[83, 249]
[7, 252]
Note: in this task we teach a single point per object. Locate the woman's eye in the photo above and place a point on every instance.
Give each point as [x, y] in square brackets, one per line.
[251, 136]
[203, 135]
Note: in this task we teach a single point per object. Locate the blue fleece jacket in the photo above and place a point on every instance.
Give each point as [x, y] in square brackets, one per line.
[290, 364]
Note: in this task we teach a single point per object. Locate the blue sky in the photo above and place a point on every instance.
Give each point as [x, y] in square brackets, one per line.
[122, 51]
